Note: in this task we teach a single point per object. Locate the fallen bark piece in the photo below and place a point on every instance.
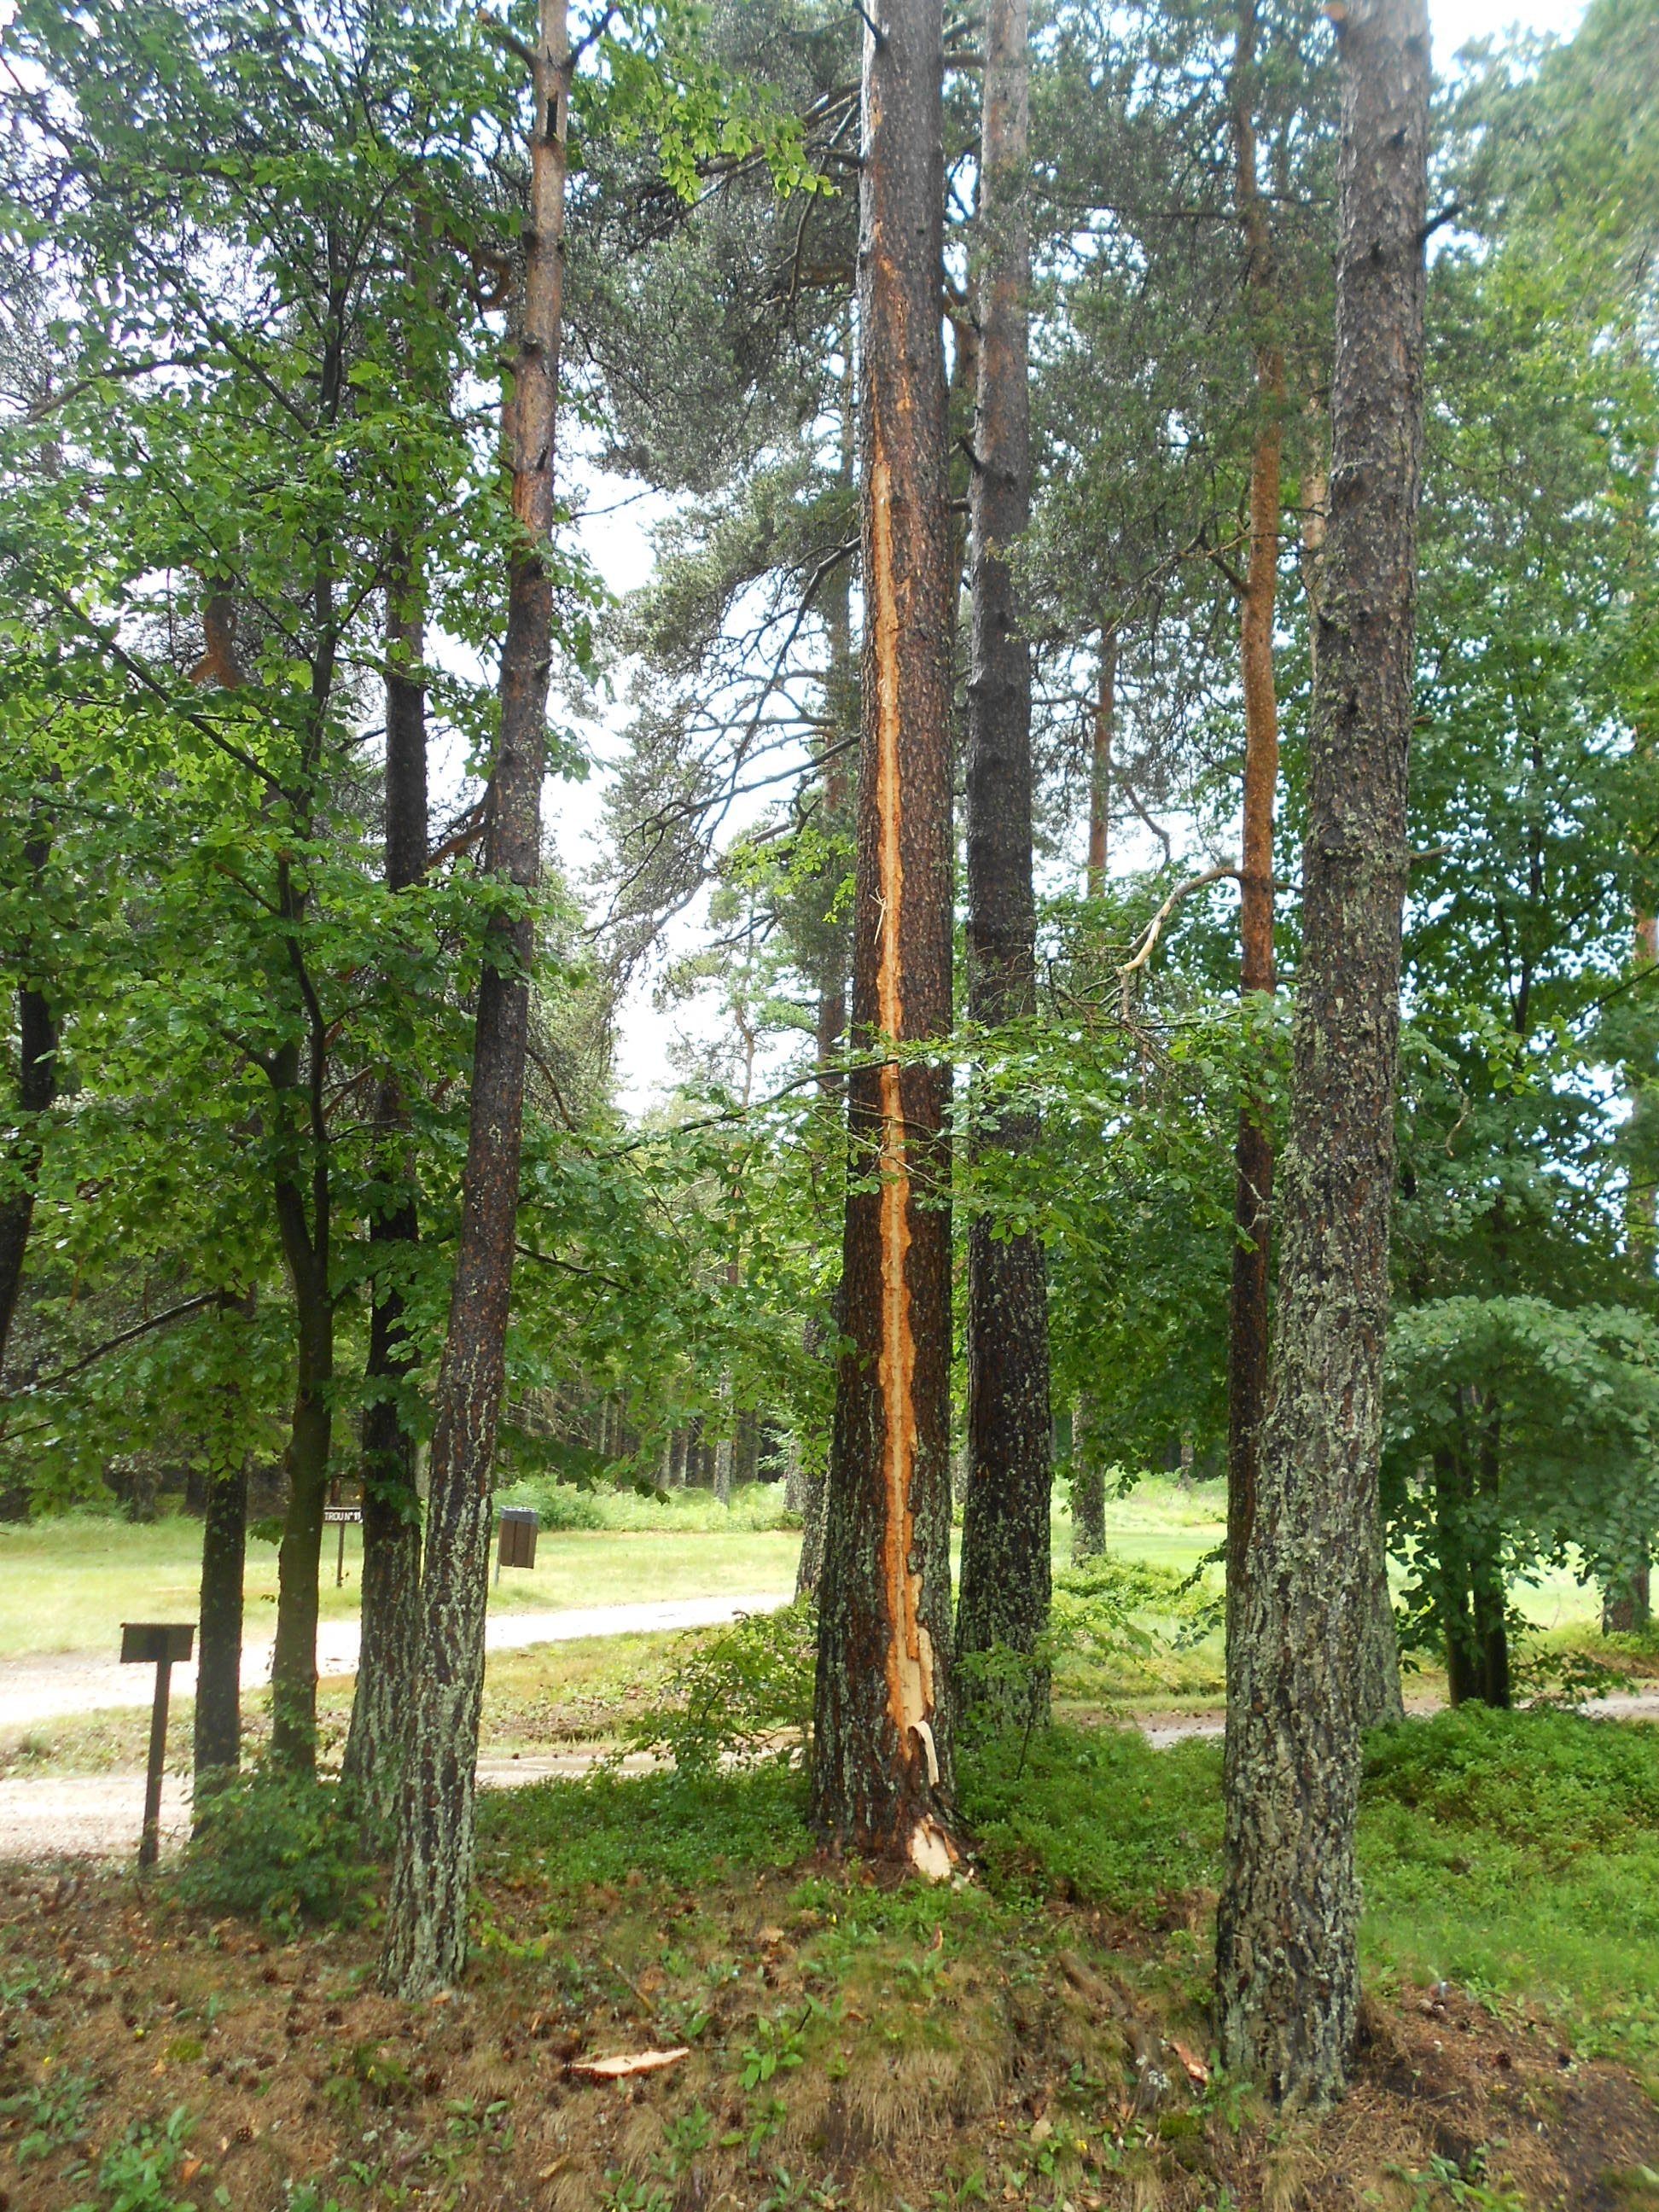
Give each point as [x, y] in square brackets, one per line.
[1197, 2072]
[627, 2062]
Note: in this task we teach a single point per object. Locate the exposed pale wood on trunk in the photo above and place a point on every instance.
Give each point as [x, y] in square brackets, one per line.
[1248, 1318]
[882, 1766]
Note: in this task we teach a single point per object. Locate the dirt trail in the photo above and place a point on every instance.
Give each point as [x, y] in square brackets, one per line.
[77, 1682]
[97, 1816]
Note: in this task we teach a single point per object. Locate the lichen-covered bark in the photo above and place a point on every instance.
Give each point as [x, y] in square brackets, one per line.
[882, 1770]
[392, 1521]
[1287, 1973]
[1005, 1529]
[425, 1945]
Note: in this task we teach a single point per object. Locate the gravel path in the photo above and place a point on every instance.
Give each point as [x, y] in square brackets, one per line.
[99, 1816]
[73, 1682]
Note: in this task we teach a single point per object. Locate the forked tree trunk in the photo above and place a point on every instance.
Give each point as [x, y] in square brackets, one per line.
[882, 1766]
[1287, 1969]
[1004, 1527]
[391, 1514]
[425, 1945]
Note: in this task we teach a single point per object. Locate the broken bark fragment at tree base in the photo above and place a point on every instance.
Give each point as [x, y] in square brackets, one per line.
[626, 2063]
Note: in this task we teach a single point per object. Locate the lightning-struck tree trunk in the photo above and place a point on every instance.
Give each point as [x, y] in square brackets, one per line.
[1248, 1318]
[882, 1754]
[1287, 1971]
[1004, 1527]
[425, 1945]
[391, 1518]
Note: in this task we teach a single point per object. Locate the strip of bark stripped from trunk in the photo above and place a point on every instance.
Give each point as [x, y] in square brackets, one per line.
[1005, 1530]
[391, 1522]
[1287, 1971]
[1247, 1333]
[882, 1770]
[425, 1946]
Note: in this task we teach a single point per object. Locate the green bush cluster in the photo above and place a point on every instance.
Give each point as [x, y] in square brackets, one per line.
[280, 1848]
[742, 1694]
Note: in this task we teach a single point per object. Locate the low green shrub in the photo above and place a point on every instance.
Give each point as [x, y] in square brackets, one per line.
[682, 1830]
[741, 1694]
[1554, 1784]
[1095, 1812]
[284, 1849]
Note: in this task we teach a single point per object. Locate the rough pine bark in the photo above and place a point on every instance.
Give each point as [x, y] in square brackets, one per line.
[1287, 1969]
[392, 1519]
[882, 1774]
[1004, 1528]
[1248, 1316]
[425, 1945]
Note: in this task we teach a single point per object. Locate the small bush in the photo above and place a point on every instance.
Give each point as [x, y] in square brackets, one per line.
[280, 1848]
[743, 1693]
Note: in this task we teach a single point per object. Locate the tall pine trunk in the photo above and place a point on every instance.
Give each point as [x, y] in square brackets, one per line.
[392, 1519]
[1287, 1968]
[1005, 1529]
[425, 1945]
[1248, 1318]
[882, 1752]
[1100, 764]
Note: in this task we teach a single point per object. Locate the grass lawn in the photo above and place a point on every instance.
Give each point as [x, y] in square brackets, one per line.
[67, 1583]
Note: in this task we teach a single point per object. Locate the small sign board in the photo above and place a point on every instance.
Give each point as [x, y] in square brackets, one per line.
[516, 1546]
[343, 1517]
[156, 1643]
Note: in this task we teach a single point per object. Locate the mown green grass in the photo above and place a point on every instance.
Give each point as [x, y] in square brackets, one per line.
[1515, 1855]
[67, 1583]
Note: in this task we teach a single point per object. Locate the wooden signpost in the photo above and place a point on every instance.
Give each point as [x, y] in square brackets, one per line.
[337, 1515]
[160, 1643]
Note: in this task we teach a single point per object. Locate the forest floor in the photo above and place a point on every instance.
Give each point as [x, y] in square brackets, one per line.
[1037, 2036]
